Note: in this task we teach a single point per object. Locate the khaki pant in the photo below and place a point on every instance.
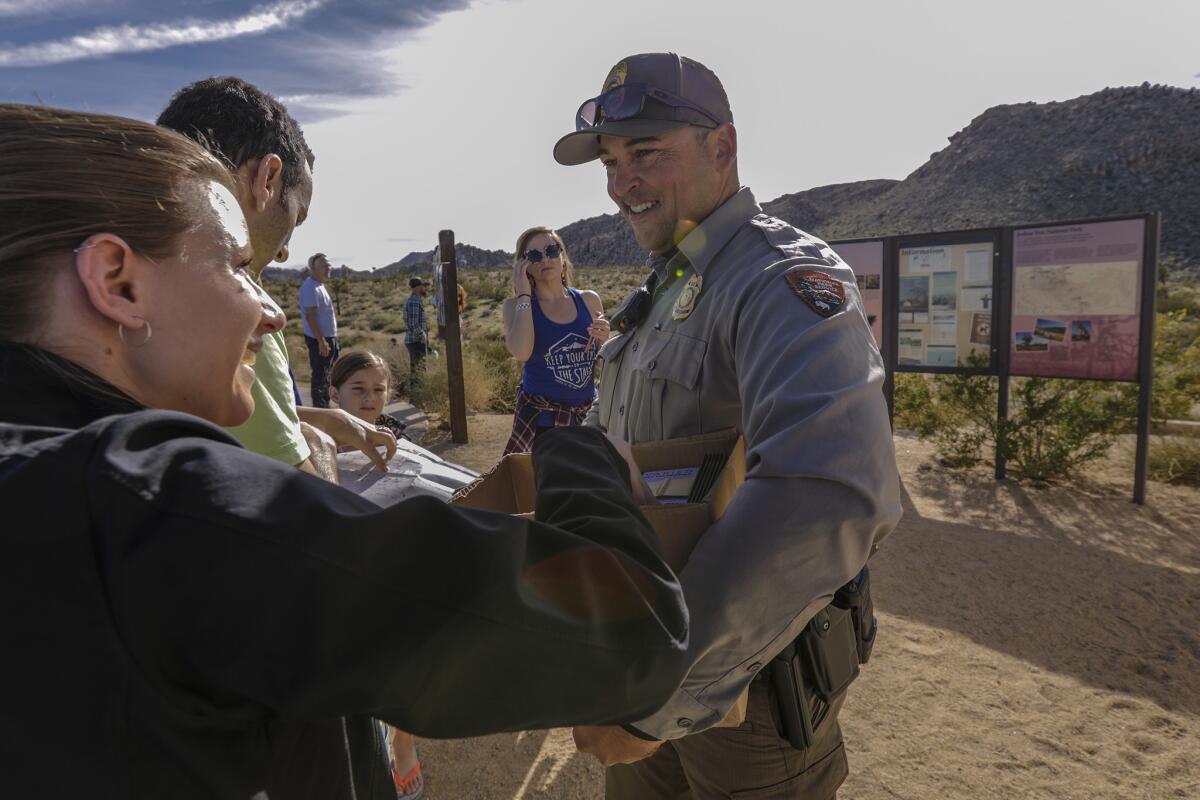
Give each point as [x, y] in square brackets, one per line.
[751, 761]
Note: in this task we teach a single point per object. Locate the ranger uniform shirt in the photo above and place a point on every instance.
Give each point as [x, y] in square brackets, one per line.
[760, 327]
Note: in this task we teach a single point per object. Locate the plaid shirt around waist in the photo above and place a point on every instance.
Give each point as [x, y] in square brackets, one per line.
[525, 418]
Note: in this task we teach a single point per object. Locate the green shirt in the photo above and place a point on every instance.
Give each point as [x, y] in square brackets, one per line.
[273, 430]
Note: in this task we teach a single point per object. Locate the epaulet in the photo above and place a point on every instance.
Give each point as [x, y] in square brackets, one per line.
[794, 243]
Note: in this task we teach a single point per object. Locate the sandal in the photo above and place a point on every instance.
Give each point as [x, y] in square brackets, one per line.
[411, 786]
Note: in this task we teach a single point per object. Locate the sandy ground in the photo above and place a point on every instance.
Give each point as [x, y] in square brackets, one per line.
[1034, 643]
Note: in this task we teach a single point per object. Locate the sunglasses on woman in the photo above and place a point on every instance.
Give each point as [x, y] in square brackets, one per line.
[535, 256]
[627, 101]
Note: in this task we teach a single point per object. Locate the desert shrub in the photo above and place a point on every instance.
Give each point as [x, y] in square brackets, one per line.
[383, 320]
[1055, 426]
[353, 339]
[433, 391]
[505, 371]
[1176, 378]
[1174, 459]
[490, 285]
[960, 415]
[395, 326]
[912, 403]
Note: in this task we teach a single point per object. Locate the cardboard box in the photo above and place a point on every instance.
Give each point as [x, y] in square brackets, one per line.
[508, 488]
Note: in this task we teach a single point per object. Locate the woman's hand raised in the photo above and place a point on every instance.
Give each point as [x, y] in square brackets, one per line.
[521, 277]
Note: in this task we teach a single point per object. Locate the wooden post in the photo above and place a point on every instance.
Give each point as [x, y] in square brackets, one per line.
[454, 361]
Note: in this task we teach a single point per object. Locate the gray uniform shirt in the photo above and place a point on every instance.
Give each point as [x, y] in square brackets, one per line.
[757, 352]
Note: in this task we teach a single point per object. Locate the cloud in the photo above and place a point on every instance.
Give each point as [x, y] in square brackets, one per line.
[114, 40]
[128, 57]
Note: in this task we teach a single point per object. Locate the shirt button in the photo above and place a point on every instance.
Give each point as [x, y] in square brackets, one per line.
[658, 326]
[683, 722]
[635, 346]
[653, 364]
[755, 667]
[621, 410]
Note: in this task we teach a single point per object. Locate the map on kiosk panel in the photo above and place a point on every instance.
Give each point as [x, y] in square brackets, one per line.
[1077, 289]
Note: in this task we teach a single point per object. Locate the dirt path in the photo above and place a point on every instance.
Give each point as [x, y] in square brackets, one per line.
[1035, 643]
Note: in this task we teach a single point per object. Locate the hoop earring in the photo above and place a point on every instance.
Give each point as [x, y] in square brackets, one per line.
[121, 334]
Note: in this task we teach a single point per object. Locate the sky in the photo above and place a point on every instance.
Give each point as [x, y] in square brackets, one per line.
[433, 114]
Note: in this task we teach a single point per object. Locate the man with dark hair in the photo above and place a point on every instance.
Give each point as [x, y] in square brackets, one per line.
[264, 148]
[416, 330]
[747, 323]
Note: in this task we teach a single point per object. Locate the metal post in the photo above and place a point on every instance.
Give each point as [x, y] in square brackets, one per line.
[890, 283]
[1002, 284]
[1146, 353]
[454, 362]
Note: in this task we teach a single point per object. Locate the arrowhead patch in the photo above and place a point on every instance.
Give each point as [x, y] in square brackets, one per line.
[823, 293]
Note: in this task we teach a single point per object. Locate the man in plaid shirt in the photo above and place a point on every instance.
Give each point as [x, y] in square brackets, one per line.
[416, 328]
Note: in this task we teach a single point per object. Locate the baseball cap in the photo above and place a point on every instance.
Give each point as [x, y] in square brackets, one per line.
[686, 80]
[415, 282]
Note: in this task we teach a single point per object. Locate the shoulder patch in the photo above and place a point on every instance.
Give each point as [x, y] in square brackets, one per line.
[794, 243]
[823, 293]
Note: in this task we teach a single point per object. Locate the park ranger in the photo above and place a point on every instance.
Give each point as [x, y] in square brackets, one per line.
[747, 323]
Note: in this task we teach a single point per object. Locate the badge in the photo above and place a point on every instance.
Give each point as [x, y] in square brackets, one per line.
[687, 298]
[823, 293]
[616, 77]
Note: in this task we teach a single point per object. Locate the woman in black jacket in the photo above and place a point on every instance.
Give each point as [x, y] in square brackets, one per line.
[179, 612]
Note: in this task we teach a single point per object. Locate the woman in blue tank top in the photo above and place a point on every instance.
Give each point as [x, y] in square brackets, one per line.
[556, 330]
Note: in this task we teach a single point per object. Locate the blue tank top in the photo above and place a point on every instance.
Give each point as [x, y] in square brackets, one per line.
[560, 366]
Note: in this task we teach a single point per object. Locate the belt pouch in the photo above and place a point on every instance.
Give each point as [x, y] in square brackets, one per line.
[855, 597]
[829, 650]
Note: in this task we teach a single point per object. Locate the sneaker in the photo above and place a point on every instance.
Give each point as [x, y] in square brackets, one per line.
[411, 786]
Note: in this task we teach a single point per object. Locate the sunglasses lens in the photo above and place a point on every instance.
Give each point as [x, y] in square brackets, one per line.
[586, 118]
[552, 251]
[534, 256]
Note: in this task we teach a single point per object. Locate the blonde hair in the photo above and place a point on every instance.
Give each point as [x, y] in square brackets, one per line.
[523, 241]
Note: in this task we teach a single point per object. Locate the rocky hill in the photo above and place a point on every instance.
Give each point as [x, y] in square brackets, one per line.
[468, 257]
[1118, 151]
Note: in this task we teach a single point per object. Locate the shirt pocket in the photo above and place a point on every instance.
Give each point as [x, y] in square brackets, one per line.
[608, 362]
[674, 363]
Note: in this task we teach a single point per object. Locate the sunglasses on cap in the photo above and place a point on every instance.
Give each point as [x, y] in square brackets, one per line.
[534, 256]
[627, 101]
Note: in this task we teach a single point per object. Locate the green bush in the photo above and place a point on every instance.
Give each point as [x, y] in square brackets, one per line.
[1055, 426]
[1174, 459]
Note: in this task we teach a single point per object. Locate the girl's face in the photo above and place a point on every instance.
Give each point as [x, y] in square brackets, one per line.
[363, 394]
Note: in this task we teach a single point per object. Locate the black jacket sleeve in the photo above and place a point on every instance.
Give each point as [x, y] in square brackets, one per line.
[241, 587]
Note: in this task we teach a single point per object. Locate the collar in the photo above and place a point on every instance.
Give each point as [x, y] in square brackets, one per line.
[701, 246]
[40, 388]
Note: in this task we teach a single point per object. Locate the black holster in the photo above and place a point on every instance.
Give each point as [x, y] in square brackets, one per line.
[814, 671]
